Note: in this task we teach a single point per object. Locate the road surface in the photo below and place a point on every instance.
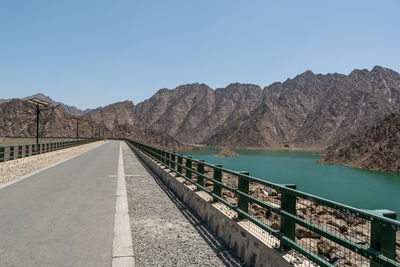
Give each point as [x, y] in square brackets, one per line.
[64, 215]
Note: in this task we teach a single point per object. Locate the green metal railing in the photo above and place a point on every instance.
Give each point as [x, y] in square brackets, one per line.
[25, 150]
[326, 233]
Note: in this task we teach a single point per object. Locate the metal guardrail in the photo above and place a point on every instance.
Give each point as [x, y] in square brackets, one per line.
[327, 233]
[25, 150]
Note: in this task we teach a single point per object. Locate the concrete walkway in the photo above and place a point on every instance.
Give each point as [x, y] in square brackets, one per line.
[62, 216]
[165, 231]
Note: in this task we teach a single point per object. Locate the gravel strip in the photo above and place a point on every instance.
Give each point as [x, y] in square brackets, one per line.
[14, 169]
[165, 232]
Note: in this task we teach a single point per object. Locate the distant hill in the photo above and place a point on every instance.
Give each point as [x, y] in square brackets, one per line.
[18, 118]
[376, 149]
[70, 109]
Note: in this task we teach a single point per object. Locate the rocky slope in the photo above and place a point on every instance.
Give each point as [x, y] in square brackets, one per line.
[308, 111]
[69, 109]
[18, 118]
[313, 111]
[123, 120]
[116, 114]
[193, 112]
[376, 149]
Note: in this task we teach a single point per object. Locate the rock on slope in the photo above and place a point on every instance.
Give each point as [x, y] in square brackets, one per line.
[376, 149]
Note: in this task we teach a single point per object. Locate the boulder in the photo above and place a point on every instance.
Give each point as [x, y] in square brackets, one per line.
[325, 248]
[305, 233]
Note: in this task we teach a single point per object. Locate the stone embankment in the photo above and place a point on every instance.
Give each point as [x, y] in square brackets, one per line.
[14, 169]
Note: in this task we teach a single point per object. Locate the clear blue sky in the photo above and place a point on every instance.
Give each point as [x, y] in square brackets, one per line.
[93, 53]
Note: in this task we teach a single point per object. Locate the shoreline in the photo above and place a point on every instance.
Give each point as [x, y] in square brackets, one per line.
[266, 148]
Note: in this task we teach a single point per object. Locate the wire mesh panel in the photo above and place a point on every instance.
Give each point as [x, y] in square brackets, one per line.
[343, 224]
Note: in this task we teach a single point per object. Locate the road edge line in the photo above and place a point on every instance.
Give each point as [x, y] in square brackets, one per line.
[122, 253]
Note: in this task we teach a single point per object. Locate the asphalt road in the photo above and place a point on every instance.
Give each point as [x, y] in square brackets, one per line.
[62, 216]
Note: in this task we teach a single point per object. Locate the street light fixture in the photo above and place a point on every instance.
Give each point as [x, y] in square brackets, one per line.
[41, 105]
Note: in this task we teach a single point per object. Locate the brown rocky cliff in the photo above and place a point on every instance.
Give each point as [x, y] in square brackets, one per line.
[193, 112]
[354, 104]
[376, 149]
[315, 110]
[310, 110]
[117, 114]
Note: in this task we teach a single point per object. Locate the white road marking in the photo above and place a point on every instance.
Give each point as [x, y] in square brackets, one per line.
[122, 254]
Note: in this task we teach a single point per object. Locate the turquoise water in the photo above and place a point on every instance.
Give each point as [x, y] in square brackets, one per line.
[358, 188]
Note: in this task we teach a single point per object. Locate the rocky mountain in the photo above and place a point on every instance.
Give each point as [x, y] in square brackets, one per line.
[376, 149]
[122, 120]
[116, 114]
[356, 102]
[193, 112]
[69, 109]
[310, 111]
[18, 118]
[282, 110]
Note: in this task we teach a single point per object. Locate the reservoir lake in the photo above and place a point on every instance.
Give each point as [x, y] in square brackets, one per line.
[354, 187]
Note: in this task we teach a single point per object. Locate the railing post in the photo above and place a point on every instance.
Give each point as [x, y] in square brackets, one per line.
[288, 204]
[2, 154]
[383, 236]
[19, 152]
[179, 164]
[200, 169]
[173, 160]
[217, 175]
[26, 150]
[243, 186]
[188, 172]
[11, 153]
[38, 146]
[163, 154]
[167, 159]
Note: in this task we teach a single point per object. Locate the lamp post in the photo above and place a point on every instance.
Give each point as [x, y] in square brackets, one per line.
[41, 105]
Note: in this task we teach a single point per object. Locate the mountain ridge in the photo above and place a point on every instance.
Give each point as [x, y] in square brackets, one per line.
[307, 111]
